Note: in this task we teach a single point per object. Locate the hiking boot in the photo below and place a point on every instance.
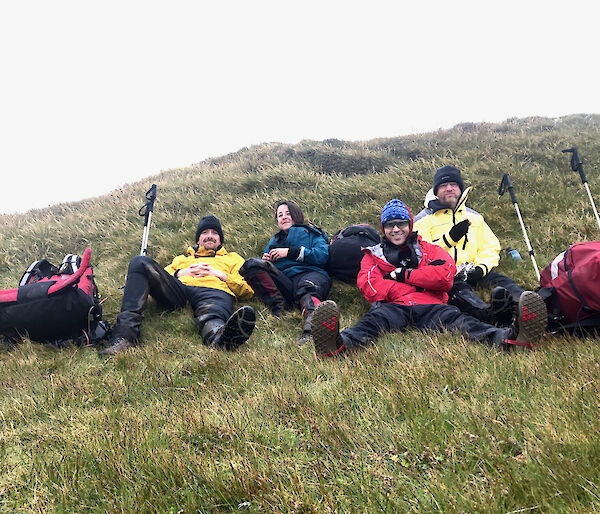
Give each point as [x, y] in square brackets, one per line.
[116, 345]
[530, 325]
[326, 330]
[304, 337]
[277, 312]
[502, 307]
[306, 328]
[237, 329]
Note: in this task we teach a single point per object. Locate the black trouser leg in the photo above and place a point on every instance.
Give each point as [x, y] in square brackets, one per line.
[310, 289]
[462, 296]
[493, 279]
[145, 276]
[212, 308]
[437, 317]
[381, 317]
[310, 284]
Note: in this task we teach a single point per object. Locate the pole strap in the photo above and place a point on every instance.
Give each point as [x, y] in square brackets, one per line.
[148, 207]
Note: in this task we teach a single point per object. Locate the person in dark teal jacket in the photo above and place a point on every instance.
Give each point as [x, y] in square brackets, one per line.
[292, 269]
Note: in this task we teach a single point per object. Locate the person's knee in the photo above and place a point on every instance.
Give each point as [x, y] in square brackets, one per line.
[253, 265]
[306, 287]
[140, 262]
[386, 317]
[315, 286]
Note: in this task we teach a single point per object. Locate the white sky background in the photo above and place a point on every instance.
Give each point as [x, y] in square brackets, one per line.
[96, 95]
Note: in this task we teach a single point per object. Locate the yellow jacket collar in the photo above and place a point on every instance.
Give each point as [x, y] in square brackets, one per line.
[203, 252]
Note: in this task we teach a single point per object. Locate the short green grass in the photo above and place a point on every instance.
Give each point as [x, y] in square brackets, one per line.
[418, 422]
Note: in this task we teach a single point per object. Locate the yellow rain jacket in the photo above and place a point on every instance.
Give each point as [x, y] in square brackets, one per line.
[479, 246]
[221, 260]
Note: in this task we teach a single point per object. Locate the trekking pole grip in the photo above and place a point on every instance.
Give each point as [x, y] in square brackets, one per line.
[148, 207]
[576, 163]
[505, 185]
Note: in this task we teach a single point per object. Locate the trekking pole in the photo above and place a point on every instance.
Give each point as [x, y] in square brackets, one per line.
[577, 165]
[146, 211]
[506, 184]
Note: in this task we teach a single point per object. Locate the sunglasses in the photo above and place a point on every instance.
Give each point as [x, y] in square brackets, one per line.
[401, 224]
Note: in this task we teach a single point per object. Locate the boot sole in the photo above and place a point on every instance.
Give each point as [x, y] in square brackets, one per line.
[238, 328]
[533, 318]
[326, 328]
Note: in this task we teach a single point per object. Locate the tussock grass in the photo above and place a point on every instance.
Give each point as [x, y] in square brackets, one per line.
[419, 422]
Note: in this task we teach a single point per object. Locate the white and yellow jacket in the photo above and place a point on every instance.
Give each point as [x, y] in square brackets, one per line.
[479, 246]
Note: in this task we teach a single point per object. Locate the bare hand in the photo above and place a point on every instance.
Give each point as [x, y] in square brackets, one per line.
[201, 269]
[277, 253]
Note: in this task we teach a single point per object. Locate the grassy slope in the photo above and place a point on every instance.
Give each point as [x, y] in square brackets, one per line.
[414, 423]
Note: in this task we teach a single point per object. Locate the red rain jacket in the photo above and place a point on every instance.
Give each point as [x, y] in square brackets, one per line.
[425, 285]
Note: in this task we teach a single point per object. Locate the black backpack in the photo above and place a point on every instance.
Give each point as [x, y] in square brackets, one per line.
[345, 251]
[55, 305]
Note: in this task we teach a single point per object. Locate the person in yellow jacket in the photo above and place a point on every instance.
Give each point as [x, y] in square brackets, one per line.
[464, 234]
[207, 277]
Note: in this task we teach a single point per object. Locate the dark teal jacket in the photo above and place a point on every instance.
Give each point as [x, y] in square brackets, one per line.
[308, 249]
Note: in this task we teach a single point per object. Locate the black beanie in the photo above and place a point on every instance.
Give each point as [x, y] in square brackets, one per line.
[209, 222]
[447, 174]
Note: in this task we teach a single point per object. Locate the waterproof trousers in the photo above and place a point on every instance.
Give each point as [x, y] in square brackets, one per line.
[280, 292]
[146, 277]
[308, 283]
[392, 317]
[462, 295]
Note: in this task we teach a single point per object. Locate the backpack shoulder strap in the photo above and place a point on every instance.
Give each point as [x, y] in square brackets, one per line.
[70, 264]
[38, 270]
[74, 278]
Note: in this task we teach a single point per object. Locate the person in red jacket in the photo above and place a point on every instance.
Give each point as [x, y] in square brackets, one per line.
[407, 280]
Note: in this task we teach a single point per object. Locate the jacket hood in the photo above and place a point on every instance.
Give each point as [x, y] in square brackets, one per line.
[433, 203]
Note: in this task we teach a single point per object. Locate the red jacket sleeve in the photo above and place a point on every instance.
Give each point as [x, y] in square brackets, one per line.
[370, 280]
[436, 270]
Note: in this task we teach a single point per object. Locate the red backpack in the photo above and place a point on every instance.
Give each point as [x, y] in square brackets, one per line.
[54, 305]
[571, 283]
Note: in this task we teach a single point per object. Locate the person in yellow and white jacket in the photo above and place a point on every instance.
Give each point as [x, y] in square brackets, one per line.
[207, 277]
[464, 234]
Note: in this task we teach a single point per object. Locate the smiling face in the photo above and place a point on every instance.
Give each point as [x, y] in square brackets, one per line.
[396, 231]
[284, 218]
[448, 194]
[209, 238]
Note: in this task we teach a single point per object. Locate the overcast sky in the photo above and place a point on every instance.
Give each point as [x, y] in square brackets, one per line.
[99, 94]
